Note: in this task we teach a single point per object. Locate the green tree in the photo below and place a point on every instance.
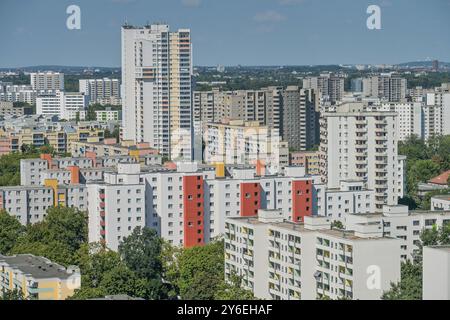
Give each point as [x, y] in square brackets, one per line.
[233, 290]
[414, 148]
[171, 270]
[410, 285]
[57, 237]
[435, 236]
[94, 261]
[424, 160]
[115, 134]
[15, 294]
[121, 280]
[10, 231]
[337, 224]
[47, 149]
[197, 264]
[104, 273]
[426, 200]
[408, 201]
[142, 253]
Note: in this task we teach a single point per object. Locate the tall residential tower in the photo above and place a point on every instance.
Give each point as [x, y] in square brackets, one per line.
[156, 88]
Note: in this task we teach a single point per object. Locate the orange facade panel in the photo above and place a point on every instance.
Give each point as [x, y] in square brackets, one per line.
[193, 211]
[74, 174]
[47, 157]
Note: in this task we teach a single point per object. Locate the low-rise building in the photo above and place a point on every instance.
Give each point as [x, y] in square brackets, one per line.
[244, 142]
[110, 147]
[59, 139]
[398, 222]
[308, 159]
[65, 105]
[38, 278]
[7, 109]
[440, 202]
[107, 114]
[350, 198]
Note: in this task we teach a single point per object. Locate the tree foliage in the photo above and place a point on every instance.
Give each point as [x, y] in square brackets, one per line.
[10, 231]
[337, 224]
[233, 290]
[410, 285]
[15, 294]
[145, 266]
[198, 273]
[424, 161]
[141, 253]
[57, 237]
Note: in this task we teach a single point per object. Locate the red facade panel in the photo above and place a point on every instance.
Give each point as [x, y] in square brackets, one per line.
[301, 200]
[250, 198]
[193, 211]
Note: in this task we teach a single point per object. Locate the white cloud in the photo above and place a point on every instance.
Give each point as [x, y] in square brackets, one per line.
[269, 16]
[191, 3]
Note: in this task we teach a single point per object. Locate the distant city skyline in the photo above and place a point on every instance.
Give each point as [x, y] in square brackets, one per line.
[230, 33]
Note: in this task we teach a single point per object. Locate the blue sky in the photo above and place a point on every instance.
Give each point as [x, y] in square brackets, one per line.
[229, 32]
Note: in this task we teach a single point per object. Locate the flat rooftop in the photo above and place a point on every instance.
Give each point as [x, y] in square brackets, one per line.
[118, 297]
[445, 248]
[37, 267]
[442, 197]
[300, 227]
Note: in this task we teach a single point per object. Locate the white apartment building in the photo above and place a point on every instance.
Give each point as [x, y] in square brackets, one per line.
[398, 222]
[35, 171]
[401, 176]
[19, 93]
[327, 85]
[281, 260]
[65, 105]
[425, 118]
[436, 273]
[388, 86]
[350, 197]
[28, 204]
[116, 206]
[239, 142]
[440, 202]
[264, 105]
[359, 143]
[156, 88]
[107, 115]
[47, 81]
[102, 91]
[438, 112]
[410, 118]
[187, 205]
[240, 194]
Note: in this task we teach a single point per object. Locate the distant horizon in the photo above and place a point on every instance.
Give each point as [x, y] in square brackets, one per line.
[228, 66]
